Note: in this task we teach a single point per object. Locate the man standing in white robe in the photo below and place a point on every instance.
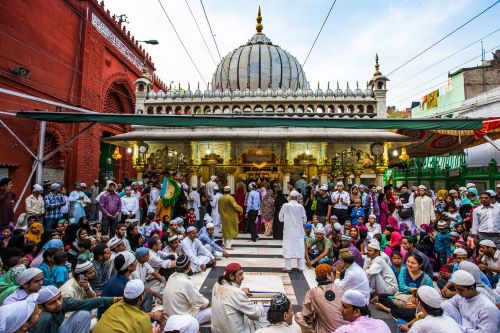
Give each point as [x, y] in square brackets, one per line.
[423, 208]
[194, 201]
[214, 201]
[200, 258]
[293, 215]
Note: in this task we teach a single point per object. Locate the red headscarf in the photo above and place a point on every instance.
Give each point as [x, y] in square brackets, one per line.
[233, 268]
[393, 222]
[396, 239]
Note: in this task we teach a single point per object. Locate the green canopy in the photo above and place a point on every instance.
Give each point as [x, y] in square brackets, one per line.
[245, 121]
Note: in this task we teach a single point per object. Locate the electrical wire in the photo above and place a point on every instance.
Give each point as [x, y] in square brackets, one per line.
[201, 34]
[443, 38]
[440, 61]
[439, 85]
[182, 43]
[315, 40]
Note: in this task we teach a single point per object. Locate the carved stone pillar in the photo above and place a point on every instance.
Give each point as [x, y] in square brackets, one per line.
[379, 174]
[193, 172]
[230, 177]
[323, 173]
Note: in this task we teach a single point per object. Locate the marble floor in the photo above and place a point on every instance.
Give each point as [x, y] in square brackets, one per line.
[262, 263]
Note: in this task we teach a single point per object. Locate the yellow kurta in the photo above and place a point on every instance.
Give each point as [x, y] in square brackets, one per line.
[228, 210]
[123, 318]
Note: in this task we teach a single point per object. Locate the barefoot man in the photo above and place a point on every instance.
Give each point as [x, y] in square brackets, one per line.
[293, 215]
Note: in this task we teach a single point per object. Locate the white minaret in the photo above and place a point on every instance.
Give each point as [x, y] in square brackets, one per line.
[378, 84]
[142, 88]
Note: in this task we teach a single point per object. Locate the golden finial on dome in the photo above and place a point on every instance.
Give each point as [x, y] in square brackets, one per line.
[259, 25]
[377, 66]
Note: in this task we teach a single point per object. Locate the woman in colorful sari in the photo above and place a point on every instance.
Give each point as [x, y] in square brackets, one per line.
[268, 213]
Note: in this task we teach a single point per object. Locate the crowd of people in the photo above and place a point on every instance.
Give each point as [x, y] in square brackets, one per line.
[108, 259]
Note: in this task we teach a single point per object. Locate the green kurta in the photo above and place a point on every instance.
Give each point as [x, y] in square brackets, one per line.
[228, 210]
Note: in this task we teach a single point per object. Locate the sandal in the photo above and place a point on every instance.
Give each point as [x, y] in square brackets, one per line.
[286, 270]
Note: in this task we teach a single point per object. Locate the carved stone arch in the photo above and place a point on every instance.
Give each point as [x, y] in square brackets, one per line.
[159, 110]
[310, 108]
[290, 109]
[178, 110]
[217, 109]
[360, 108]
[280, 108]
[340, 109]
[258, 108]
[197, 109]
[270, 108]
[188, 110]
[168, 110]
[236, 109]
[119, 95]
[369, 109]
[226, 109]
[350, 108]
[207, 109]
[150, 110]
[247, 109]
[300, 109]
[320, 108]
[330, 109]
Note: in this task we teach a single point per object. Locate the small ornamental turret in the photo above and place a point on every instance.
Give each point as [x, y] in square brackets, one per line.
[259, 25]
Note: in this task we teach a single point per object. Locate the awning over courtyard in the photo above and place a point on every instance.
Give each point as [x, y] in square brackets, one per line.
[242, 121]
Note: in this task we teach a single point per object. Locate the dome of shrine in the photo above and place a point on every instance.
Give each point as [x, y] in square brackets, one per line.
[259, 64]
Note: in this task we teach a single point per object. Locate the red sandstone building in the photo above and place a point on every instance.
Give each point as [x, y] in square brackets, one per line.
[71, 52]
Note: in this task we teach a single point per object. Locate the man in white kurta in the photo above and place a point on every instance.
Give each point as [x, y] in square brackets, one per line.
[354, 276]
[423, 208]
[194, 202]
[381, 277]
[473, 311]
[293, 215]
[181, 296]
[214, 202]
[198, 254]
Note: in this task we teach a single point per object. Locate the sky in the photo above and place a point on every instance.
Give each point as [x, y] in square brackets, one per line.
[356, 30]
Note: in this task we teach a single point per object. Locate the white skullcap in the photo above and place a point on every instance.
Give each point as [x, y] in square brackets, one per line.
[133, 289]
[140, 183]
[55, 186]
[210, 225]
[294, 193]
[172, 238]
[319, 229]
[378, 188]
[304, 176]
[185, 186]
[213, 177]
[191, 228]
[337, 226]
[227, 188]
[469, 185]
[430, 296]
[252, 185]
[216, 188]
[177, 220]
[354, 297]
[182, 323]
[463, 278]
[422, 187]
[459, 250]
[83, 185]
[324, 188]
[373, 215]
[37, 188]
[114, 242]
[27, 275]
[314, 177]
[487, 242]
[442, 224]
[491, 193]
[340, 183]
[208, 218]
[14, 315]
[83, 267]
[47, 293]
[374, 244]
[129, 260]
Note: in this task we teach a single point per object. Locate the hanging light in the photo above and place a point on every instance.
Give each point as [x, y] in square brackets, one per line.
[116, 154]
[208, 151]
[308, 152]
[395, 153]
[129, 150]
[404, 156]
[109, 161]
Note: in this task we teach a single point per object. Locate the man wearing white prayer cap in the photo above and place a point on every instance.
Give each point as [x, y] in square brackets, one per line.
[301, 184]
[55, 307]
[30, 281]
[485, 222]
[355, 310]
[293, 215]
[78, 287]
[381, 277]
[473, 311]
[430, 318]
[35, 205]
[19, 316]
[199, 256]
[324, 253]
[341, 201]
[127, 316]
[182, 324]
[206, 237]
[489, 260]
[214, 202]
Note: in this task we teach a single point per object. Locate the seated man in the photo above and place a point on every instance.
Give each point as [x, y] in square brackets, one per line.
[199, 257]
[121, 234]
[324, 247]
[144, 272]
[102, 266]
[160, 261]
[55, 307]
[279, 315]
[354, 276]
[182, 297]
[20, 316]
[127, 316]
[355, 310]
[78, 286]
[206, 238]
[346, 243]
[321, 311]
[381, 277]
[472, 311]
[489, 260]
[29, 281]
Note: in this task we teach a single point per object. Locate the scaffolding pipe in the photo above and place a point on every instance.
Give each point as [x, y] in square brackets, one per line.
[41, 146]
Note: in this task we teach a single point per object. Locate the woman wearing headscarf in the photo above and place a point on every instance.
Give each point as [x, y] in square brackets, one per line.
[268, 213]
[279, 201]
[70, 236]
[35, 231]
[53, 243]
[395, 244]
[8, 282]
[390, 198]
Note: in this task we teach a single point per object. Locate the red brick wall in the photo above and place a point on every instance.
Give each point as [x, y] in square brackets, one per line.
[71, 63]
